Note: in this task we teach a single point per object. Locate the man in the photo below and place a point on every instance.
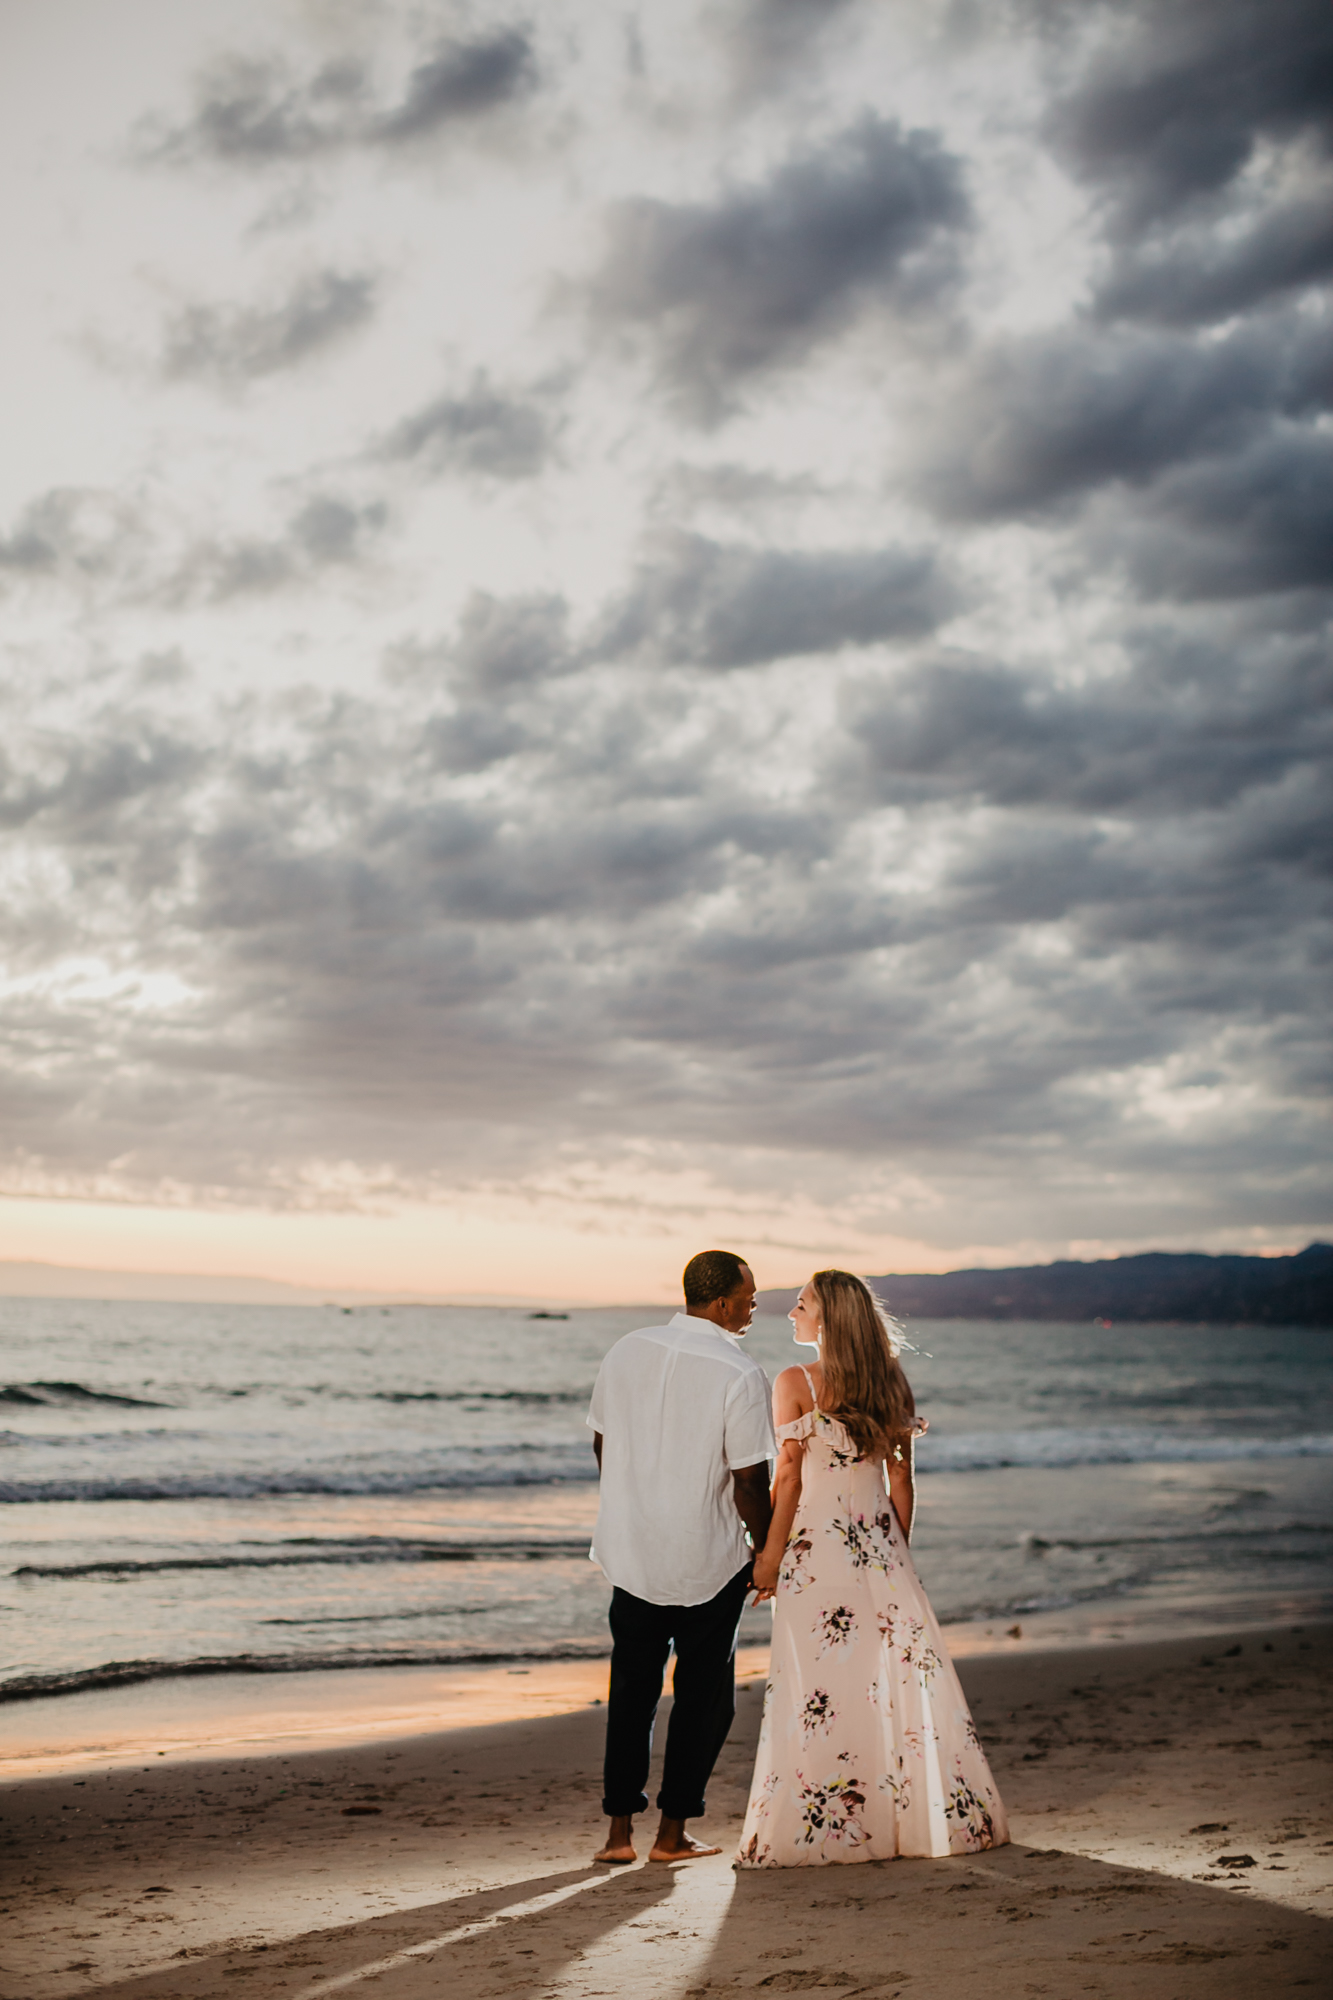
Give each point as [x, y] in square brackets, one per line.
[683, 1432]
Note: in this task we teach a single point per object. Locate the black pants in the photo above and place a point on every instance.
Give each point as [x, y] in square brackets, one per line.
[704, 1688]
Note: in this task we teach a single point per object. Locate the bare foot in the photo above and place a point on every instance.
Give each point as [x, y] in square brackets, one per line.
[684, 1849]
[619, 1849]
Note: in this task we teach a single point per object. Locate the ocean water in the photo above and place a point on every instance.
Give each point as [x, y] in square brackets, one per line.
[186, 1486]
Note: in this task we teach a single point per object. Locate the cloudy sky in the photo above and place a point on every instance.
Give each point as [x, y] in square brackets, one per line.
[630, 625]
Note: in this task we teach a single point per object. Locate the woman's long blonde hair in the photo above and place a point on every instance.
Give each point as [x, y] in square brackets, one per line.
[864, 1385]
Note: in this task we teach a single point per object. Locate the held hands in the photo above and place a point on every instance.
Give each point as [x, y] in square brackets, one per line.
[765, 1576]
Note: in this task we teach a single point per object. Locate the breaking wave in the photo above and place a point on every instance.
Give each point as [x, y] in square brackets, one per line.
[989, 1451]
[368, 1549]
[518, 1464]
[70, 1396]
[126, 1673]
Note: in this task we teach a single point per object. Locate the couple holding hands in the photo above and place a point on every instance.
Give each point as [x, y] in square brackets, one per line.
[867, 1748]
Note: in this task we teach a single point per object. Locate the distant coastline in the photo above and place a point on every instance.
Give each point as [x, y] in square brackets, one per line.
[1190, 1287]
[31, 1280]
[1156, 1285]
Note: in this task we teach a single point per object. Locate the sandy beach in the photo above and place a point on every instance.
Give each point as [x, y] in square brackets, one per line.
[457, 1857]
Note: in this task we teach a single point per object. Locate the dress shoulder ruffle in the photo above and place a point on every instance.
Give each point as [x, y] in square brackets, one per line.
[799, 1428]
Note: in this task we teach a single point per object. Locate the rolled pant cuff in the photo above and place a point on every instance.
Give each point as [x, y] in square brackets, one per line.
[673, 1808]
[619, 1809]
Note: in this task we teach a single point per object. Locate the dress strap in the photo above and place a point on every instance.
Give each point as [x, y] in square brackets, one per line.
[808, 1383]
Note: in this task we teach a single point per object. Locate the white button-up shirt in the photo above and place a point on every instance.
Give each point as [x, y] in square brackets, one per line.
[680, 1408]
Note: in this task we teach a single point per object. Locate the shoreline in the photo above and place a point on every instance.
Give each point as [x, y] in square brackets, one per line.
[1171, 1836]
[195, 1711]
[1083, 1621]
[116, 1674]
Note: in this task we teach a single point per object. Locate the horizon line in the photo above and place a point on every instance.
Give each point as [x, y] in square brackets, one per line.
[252, 1288]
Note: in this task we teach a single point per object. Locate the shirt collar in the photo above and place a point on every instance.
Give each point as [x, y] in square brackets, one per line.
[682, 1320]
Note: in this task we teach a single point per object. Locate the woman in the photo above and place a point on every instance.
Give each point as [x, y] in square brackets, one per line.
[867, 1748]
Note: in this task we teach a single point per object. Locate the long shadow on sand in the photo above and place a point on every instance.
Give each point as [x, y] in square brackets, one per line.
[486, 1941]
[1013, 1924]
[1039, 1921]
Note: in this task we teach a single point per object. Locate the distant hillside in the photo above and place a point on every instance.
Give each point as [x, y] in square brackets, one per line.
[68, 1281]
[1159, 1285]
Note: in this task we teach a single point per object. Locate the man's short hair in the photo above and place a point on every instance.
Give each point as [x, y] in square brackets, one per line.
[713, 1274]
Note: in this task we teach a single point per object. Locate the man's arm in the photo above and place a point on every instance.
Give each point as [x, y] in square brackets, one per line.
[748, 1432]
[791, 1400]
[786, 1499]
[749, 1489]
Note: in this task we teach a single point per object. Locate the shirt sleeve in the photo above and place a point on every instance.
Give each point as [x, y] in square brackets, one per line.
[749, 1436]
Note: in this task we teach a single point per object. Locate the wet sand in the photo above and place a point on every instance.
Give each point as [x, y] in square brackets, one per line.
[298, 1861]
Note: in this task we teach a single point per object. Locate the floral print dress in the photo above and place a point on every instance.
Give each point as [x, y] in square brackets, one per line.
[867, 1748]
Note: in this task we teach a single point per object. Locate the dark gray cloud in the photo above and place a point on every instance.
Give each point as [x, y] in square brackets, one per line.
[325, 532]
[1201, 274]
[251, 112]
[255, 113]
[1173, 104]
[483, 431]
[503, 642]
[390, 965]
[229, 344]
[82, 793]
[618, 866]
[1205, 132]
[722, 292]
[1189, 729]
[711, 604]
[462, 80]
[75, 534]
[1042, 419]
[1255, 523]
[474, 737]
[501, 649]
[120, 549]
[1174, 433]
